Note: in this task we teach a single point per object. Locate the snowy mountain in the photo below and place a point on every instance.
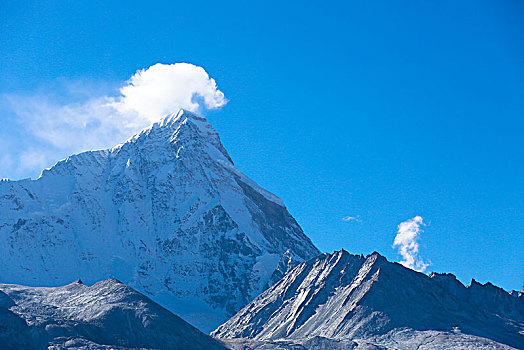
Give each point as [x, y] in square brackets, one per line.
[166, 212]
[107, 315]
[344, 301]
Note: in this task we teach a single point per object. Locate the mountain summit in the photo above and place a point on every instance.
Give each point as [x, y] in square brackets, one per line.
[166, 212]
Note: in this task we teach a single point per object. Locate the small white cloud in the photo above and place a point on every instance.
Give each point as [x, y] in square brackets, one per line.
[352, 218]
[54, 130]
[406, 242]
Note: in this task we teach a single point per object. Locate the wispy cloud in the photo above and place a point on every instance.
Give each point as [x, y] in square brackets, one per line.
[56, 129]
[352, 218]
[406, 241]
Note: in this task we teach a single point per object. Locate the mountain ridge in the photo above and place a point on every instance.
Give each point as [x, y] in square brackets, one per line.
[166, 212]
[344, 297]
[105, 315]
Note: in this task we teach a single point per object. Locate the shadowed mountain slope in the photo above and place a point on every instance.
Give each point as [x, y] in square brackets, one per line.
[108, 314]
[341, 296]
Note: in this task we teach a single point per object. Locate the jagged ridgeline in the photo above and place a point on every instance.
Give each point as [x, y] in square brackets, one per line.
[342, 300]
[166, 212]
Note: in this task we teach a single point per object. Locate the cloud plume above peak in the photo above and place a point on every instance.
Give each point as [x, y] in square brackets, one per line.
[53, 129]
[406, 242]
[164, 88]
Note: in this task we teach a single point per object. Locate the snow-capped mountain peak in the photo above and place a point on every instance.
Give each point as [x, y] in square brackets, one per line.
[166, 212]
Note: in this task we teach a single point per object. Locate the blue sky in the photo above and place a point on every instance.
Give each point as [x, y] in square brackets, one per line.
[381, 110]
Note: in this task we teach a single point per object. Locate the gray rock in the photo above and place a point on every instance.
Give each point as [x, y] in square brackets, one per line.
[108, 315]
[374, 302]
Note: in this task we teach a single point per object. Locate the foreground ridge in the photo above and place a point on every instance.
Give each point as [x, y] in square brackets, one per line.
[345, 298]
[106, 315]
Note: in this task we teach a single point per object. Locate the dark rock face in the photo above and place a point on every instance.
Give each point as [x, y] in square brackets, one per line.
[106, 315]
[368, 299]
[14, 331]
[166, 212]
[279, 228]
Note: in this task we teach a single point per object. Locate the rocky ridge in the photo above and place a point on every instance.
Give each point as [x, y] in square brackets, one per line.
[369, 300]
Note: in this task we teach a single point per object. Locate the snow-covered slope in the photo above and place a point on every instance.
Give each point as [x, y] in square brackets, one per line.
[369, 300]
[108, 314]
[166, 212]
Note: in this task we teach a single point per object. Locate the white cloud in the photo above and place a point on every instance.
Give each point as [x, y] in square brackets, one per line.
[352, 218]
[406, 242]
[162, 89]
[54, 130]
